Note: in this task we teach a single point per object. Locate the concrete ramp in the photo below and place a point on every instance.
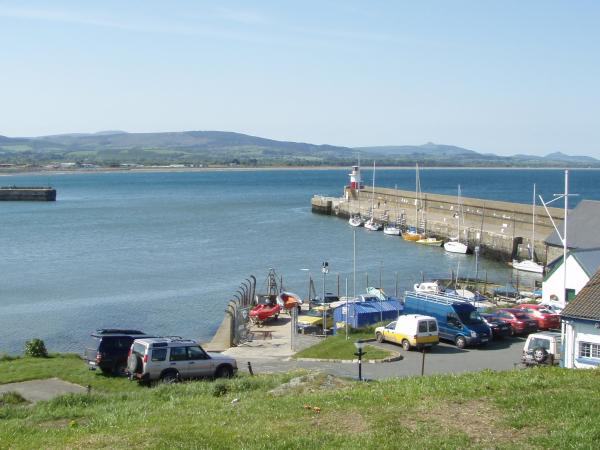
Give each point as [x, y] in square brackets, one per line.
[41, 390]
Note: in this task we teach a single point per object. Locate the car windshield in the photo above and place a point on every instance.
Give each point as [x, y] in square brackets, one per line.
[470, 318]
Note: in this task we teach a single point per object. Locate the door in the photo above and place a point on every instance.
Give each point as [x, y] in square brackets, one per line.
[178, 361]
[199, 362]
[389, 332]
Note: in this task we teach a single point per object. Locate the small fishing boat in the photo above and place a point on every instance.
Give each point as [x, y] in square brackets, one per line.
[428, 287]
[430, 241]
[392, 229]
[411, 234]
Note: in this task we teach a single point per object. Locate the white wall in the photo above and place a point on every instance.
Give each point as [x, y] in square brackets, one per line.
[576, 279]
[575, 332]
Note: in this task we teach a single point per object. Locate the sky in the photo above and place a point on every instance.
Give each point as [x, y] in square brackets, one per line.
[503, 77]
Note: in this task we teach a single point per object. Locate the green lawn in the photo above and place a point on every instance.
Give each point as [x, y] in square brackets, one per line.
[337, 347]
[536, 408]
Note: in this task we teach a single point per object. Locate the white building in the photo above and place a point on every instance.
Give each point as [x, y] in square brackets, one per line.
[581, 266]
[581, 327]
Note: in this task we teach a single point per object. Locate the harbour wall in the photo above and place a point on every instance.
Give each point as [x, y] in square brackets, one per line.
[502, 230]
[42, 194]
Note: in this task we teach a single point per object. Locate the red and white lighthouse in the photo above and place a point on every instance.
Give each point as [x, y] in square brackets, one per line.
[355, 178]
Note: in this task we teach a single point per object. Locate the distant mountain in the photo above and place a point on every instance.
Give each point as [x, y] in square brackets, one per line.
[226, 148]
[426, 149]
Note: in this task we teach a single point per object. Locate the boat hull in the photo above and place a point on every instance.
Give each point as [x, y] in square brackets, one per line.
[411, 237]
[391, 231]
[455, 247]
[430, 241]
[528, 266]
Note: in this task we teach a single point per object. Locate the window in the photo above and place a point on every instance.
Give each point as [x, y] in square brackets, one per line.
[159, 354]
[539, 343]
[589, 350]
[432, 325]
[391, 326]
[423, 326]
[178, 354]
[196, 353]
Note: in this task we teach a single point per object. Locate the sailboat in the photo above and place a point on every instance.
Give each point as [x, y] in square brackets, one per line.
[412, 233]
[371, 224]
[454, 245]
[529, 265]
[393, 228]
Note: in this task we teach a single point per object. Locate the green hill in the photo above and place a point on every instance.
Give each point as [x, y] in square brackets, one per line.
[535, 408]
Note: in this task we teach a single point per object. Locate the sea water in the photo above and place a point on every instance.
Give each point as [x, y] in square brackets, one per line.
[164, 252]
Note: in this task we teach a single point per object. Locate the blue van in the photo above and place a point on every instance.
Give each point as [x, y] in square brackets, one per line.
[458, 320]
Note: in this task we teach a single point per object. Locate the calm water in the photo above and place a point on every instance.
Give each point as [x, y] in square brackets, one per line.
[164, 252]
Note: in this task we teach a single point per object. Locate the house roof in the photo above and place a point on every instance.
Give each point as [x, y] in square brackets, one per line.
[587, 303]
[581, 221]
[589, 260]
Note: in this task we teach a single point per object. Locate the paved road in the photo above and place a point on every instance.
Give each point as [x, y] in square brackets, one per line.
[444, 358]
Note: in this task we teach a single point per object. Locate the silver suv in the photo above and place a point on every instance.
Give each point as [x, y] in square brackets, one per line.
[173, 359]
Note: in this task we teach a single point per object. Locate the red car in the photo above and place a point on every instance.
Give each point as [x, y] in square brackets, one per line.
[546, 319]
[520, 321]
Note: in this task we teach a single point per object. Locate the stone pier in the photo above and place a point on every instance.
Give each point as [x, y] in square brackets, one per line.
[502, 230]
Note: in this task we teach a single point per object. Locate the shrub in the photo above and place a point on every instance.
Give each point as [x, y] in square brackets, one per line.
[11, 398]
[219, 388]
[5, 357]
[36, 348]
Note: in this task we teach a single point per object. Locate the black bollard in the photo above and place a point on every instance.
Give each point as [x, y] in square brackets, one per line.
[250, 369]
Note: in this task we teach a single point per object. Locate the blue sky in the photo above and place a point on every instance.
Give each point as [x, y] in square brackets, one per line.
[505, 77]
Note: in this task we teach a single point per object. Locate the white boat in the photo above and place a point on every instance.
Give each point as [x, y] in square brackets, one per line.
[391, 229]
[529, 265]
[454, 245]
[430, 287]
[355, 221]
[372, 225]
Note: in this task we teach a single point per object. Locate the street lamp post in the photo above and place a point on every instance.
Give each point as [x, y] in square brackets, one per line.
[325, 271]
[359, 347]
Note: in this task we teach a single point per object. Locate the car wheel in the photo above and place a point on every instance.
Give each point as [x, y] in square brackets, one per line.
[169, 378]
[405, 345]
[379, 337]
[460, 342]
[540, 355]
[224, 372]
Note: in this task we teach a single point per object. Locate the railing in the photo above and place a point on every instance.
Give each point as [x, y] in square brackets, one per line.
[445, 299]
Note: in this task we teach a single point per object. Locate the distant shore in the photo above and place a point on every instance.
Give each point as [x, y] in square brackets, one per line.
[38, 171]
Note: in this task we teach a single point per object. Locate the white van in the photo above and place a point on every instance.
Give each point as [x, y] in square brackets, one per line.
[410, 330]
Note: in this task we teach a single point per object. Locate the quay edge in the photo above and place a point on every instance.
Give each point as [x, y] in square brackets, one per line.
[27, 193]
[501, 229]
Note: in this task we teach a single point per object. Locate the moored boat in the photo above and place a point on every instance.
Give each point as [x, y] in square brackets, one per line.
[372, 225]
[528, 265]
[455, 246]
[355, 221]
[411, 234]
[430, 241]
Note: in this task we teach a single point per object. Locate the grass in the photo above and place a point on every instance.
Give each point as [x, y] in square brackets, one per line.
[537, 408]
[338, 347]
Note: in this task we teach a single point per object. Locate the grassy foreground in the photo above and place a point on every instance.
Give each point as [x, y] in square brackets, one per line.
[537, 408]
[337, 347]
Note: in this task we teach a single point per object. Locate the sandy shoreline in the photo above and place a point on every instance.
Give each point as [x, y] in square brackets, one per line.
[39, 172]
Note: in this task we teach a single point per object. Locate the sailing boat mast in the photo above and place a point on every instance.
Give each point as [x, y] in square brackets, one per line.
[373, 195]
[417, 197]
[533, 228]
[459, 215]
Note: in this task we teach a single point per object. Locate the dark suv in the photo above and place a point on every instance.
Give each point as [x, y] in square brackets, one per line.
[109, 349]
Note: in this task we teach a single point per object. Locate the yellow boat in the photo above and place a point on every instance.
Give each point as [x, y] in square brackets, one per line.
[430, 241]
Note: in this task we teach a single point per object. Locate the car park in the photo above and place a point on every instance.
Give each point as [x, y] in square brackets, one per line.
[542, 348]
[174, 359]
[519, 320]
[410, 331]
[546, 319]
[458, 320]
[109, 348]
[499, 328]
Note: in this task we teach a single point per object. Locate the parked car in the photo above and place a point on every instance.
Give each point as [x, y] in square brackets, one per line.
[458, 320]
[410, 330]
[499, 328]
[546, 319]
[312, 321]
[174, 359]
[542, 348]
[318, 301]
[519, 320]
[109, 349]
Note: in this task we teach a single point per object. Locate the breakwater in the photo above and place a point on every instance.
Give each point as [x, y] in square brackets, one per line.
[502, 230]
[27, 193]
